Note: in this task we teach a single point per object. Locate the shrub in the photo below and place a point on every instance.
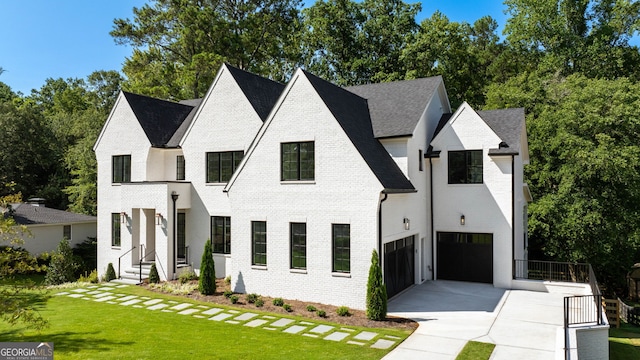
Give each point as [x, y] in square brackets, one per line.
[91, 278]
[154, 278]
[287, 307]
[207, 284]
[322, 313]
[311, 308]
[227, 293]
[63, 265]
[86, 255]
[278, 302]
[18, 261]
[251, 298]
[234, 298]
[259, 303]
[227, 280]
[110, 274]
[187, 276]
[376, 291]
[343, 311]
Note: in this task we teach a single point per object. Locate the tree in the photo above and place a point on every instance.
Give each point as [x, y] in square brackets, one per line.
[207, 281]
[376, 291]
[585, 168]
[63, 266]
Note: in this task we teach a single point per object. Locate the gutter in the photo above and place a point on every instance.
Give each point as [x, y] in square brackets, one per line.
[513, 218]
[380, 227]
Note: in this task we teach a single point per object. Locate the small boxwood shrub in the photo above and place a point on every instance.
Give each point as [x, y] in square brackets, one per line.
[227, 293]
[322, 313]
[110, 274]
[251, 298]
[154, 278]
[234, 299]
[311, 308]
[259, 303]
[343, 311]
[287, 307]
[278, 302]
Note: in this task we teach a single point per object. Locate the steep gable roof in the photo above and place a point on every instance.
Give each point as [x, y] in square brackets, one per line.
[352, 112]
[262, 93]
[508, 125]
[159, 119]
[396, 107]
[27, 214]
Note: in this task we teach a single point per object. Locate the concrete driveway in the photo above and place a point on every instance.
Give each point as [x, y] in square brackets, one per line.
[522, 324]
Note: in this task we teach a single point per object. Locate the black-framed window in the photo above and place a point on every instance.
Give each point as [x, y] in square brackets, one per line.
[259, 243]
[297, 161]
[180, 167]
[66, 232]
[182, 235]
[341, 234]
[115, 229]
[465, 167]
[121, 169]
[221, 165]
[420, 160]
[298, 237]
[221, 234]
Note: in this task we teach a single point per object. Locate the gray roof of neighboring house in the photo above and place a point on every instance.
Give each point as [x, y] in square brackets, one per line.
[352, 112]
[27, 214]
[396, 107]
[262, 93]
[159, 119]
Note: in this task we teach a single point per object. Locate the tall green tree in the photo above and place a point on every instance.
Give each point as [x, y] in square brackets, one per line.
[376, 291]
[207, 280]
[180, 44]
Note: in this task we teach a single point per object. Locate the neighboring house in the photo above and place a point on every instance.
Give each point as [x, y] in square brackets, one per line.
[48, 226]
[297, 184]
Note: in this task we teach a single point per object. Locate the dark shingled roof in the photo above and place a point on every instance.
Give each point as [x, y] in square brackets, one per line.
[396, 107]
[27, 214]
[262, 93]
[352, 112]
[159, 119]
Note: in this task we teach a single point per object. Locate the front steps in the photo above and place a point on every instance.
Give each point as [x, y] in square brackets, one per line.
[131, 276]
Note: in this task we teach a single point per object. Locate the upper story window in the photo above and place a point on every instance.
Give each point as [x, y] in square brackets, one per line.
[465, 167]
[180, 167]
[297, 161]
[121, 168]
[221, 165]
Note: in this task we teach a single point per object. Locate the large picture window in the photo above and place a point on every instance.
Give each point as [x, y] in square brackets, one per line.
[115, 229]
[221, 234]
[341, 248]
[121, 168]
[259, 243]
[465, 167]
[297, 161]
[221, 165]
[298, 245]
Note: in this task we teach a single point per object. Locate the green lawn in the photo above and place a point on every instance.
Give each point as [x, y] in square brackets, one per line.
[624, 343]
[83, 329]
[475, 350]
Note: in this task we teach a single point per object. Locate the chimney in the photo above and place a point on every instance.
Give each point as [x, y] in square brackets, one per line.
[39, 202]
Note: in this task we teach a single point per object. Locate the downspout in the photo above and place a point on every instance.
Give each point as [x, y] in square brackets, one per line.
[433, 265]
[380, 228]
[513, 218]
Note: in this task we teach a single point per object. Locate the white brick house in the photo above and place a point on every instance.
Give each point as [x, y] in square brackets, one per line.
[297, 184]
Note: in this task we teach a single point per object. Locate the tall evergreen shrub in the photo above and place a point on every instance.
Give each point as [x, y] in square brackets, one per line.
[376, 291]
[110, 274]
[63, 266]
[207, 281]
[154, 278]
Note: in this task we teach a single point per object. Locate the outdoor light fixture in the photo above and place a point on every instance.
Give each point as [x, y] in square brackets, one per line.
[123, 217]
[158, 219]
[461, 219]
[406, 223]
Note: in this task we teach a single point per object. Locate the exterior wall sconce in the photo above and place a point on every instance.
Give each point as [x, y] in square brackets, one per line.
[406, 223]
[158, 219]
[123, 217]
[462, 220]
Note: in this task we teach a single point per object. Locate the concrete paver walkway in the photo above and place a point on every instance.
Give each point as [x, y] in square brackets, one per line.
[108, 294]
[522, 324]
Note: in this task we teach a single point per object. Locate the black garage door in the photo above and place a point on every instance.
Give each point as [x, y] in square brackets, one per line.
[399, 265]
[465, 257]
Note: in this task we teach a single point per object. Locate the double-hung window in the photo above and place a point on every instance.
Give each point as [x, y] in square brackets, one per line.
[341, 248]
[465, 167]
[221, 234]
[221, 165]
[115, 229]
[297, 161]
[298, 238]
[259, 243]
[121, 169]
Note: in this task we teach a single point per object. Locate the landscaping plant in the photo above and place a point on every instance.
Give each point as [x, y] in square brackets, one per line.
[63, 265]
[376, 291]
[110, 274]
[207, 283]
[154, 278]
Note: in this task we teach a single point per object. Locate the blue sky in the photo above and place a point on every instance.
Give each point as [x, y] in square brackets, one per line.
[70, 39]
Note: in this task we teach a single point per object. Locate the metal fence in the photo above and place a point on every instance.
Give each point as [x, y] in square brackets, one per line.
[552, 271]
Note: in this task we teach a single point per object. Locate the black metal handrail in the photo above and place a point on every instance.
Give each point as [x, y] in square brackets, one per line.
[553, 271]
[130, 250]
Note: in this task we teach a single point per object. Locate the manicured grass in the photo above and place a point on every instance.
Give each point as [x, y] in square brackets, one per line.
[37, 279]
[84, 329]
[474, 350]
[624, 343]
